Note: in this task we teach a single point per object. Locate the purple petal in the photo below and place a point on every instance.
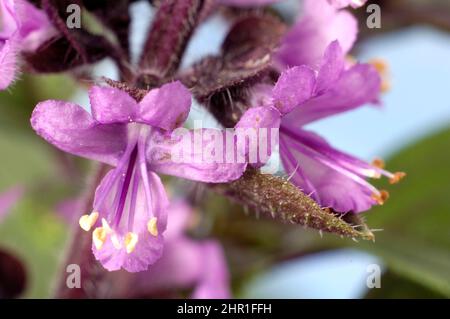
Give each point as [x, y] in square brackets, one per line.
[70, 209]
[179, 213]
[261, 95]
[306, 157]
[247, 3]
[9, 19]
[264, 120]
[331, 67]
[320, 24]
[339, 4]
[166, 107]
[34, 26]
[260, 117]
[215, 281]
[293, 87]
[70, 128]
[149, 247]
[180, 267]
[8, 199]
[111, 105]
[357, 86]
[8, 63]
[198, 155]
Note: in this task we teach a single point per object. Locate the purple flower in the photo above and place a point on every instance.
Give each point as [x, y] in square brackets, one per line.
[8, 199]
[130, 205]
[23, 28]
[345, 3]
[245, 3]
[316, 28]
[301, 96]
[187, 263]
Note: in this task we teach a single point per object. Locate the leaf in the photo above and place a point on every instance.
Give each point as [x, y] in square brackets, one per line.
[32, 230]
[18, 102]
[415, 241]
[395, 287]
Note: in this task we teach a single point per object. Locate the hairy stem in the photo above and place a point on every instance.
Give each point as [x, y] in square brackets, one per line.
[172, 28]
[276, 197]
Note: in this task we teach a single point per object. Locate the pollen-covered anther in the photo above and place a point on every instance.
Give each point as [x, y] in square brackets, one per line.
[99, 237]
[87, 221]
[131, 240]
[383, 69]
[397, 177]
[378, 163]
[380, 65]
[381, 197]
[152, 226]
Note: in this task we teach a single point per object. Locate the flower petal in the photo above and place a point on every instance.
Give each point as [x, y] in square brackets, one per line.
[199, 155]
[305, 156]
[293, 87]
[35, 27]
[345, 3]
[166, 107]
[8, 62]
[266, 122]
[148, 248]
[8, 199]
[247, 3]
[260, 117]
[111, 105]
[9, 19]
[357, 86]
[179, 213]
[331, 67]
[180, 267]
[215, 282]
[70, 128]
[320, 24]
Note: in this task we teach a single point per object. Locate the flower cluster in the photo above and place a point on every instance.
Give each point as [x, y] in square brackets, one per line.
[305, 75]
[23, 28]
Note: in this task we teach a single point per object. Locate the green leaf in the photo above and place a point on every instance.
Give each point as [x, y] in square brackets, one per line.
[34, 234]
[415, 241]
[17, 103]
[32, 230]
[396, 287]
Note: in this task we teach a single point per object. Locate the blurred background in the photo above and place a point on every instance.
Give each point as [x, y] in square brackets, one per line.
[268, 260]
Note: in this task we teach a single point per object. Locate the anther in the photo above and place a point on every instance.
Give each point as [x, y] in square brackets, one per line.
[130, 241]
[378, 163]
[380, 198]
[152, 226]
[397, 177]
[87, 221]
[99, 237]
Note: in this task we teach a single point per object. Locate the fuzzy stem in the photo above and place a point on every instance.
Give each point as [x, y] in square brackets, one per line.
[172, 28]
[276, 197]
